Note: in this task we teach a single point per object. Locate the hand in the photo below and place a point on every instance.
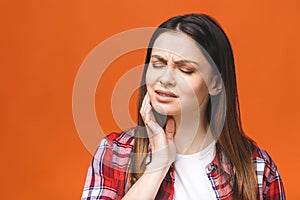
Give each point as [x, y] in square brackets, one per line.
[161, 141]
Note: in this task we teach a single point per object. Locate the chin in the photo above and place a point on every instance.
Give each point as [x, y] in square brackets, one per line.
[166, 110]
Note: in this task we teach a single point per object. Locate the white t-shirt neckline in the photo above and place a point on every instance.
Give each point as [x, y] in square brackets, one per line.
[191, 180]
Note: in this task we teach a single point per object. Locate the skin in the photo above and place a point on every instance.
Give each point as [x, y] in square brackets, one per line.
[177, 67]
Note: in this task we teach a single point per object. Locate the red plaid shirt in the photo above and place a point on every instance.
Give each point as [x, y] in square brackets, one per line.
[107, 175]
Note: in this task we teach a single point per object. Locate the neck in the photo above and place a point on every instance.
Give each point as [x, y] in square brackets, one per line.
[192, 132]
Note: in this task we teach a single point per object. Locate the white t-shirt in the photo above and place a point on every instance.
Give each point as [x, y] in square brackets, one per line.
[191, 180]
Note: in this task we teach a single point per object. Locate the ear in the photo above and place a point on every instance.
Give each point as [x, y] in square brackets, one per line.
[216, 85]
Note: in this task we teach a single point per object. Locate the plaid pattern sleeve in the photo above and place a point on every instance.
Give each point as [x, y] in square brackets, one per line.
[107, 174]
[270, 186]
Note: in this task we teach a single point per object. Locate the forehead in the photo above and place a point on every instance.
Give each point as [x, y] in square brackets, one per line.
[179, 44]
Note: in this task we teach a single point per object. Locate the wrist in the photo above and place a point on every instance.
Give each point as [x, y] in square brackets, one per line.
[159, 161]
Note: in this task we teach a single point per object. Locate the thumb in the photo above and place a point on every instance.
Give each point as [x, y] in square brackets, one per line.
[170, 128]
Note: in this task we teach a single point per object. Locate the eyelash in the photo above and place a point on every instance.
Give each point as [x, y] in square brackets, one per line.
[155, 65]
[186, 71]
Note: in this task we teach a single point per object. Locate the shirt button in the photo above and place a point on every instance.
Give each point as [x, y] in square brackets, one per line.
[209, 168]
[216, 183]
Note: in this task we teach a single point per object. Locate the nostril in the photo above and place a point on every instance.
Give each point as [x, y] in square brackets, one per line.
[167, 78]
[167, 82]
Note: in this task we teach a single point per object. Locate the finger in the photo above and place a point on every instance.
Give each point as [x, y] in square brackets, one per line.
[154, 128]
[147, 114]
[144, 103]
[170, 128]
[145, 99]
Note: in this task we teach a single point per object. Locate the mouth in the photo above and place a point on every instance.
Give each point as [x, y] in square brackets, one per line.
[166, 94]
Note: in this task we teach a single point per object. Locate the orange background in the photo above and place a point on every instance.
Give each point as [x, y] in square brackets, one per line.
[43, 44]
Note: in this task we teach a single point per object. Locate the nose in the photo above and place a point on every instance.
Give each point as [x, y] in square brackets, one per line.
[167, 78]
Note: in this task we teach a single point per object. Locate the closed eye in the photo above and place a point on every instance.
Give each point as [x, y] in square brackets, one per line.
[158, 65]
[186, 70]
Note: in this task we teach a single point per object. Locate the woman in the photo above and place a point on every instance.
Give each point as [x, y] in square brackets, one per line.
[189, 143]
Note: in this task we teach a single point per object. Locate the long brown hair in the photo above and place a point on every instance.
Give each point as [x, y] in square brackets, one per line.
[224, 118]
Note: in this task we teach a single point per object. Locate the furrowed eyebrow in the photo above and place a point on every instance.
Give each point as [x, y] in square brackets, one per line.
[179, 62]
[160, 58]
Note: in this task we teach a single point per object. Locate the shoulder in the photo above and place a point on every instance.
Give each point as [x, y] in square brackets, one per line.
[114, 150]
[260, 156]
[269, 181]
[266, 169]
[123, 138]
[119, 140]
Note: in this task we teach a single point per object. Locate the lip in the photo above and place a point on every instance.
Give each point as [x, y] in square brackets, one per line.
[165, 96]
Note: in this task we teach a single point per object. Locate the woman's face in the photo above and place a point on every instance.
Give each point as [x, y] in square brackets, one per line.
[177, 75]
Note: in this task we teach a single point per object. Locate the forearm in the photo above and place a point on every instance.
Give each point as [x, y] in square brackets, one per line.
[148, 185]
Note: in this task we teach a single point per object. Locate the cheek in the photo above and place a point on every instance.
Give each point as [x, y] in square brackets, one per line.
[150, 80]
[201, 90]
[195, 87]
[150, 77]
